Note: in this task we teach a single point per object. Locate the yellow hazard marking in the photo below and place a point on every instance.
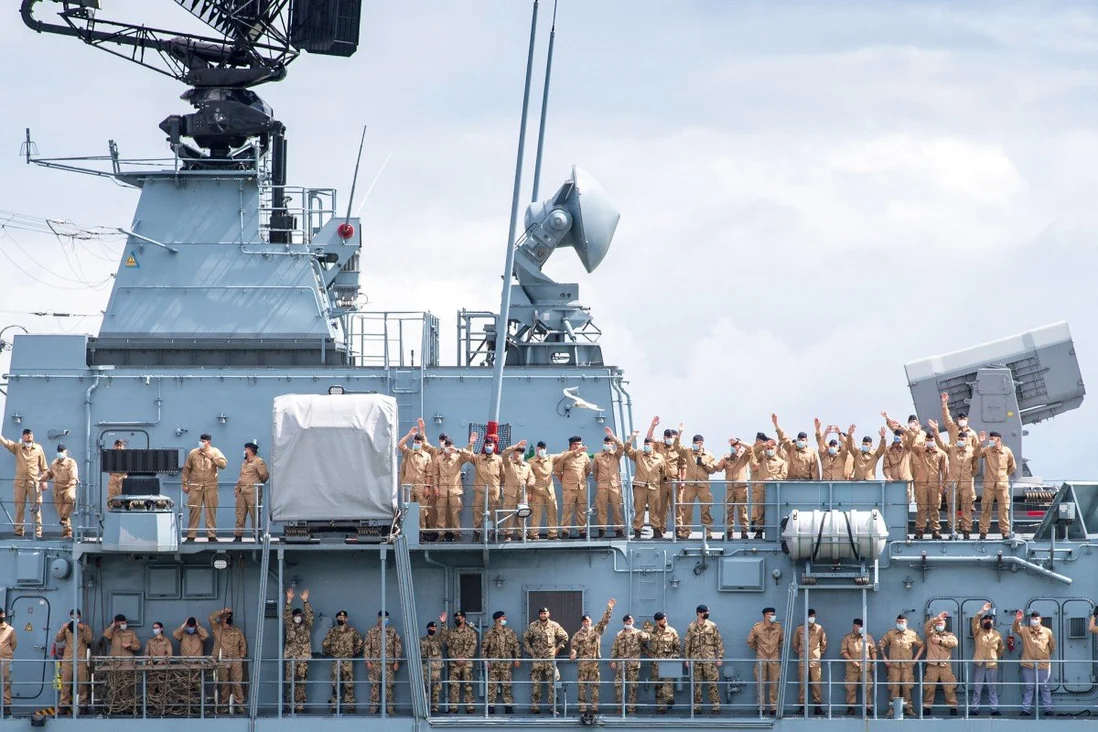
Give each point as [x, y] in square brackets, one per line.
[131, 261]
[28, 628]
[1010, 414]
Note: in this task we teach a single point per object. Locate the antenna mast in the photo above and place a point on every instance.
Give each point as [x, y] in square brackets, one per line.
[509, 267]
[544, 103]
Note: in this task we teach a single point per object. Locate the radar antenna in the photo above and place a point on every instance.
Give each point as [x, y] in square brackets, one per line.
[257, 40]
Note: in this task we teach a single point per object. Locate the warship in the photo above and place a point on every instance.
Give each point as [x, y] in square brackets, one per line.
[234, 318]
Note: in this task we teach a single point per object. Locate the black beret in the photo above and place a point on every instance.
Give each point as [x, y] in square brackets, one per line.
[702, 609]
[659, 615]
[498, 614]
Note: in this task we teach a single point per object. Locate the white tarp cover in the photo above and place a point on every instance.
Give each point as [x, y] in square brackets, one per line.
[333, 457]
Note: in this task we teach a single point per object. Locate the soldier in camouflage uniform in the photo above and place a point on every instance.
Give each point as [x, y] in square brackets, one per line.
[543, 639]
[343, 643]
[627, 647]
[586, 647]
[705, 649]
[371, 651]
[461, 647]
[500, 642]
[430, 653]
[663, 643]
[298, 628]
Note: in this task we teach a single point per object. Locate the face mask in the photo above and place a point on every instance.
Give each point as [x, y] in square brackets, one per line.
[705, 616]
[460, 621]
[607, 447]
[913, 425]
[431, 631]
[800, 444]
[62, 453]
[157, 631]
[629, 627]
[190, 630]
[986, 624]
[770, 618]
[489, 449]
[417, 446]
[770, 453]
[201, 444]
[901, 627]
[940, 627]
[860, 631]
[648, 448]
[541, 453]
[668, 441]
[991, 443]
[341, 621]
[228, 620]
[896, 440]
[385, 621]
[832, 451]
[123, 626]
[962, 423]
[1034, 622]
[3, 620]
[865, 448]
[503, 621]
[698, 447]
[297, 620]
[930, 447]
[812, 620]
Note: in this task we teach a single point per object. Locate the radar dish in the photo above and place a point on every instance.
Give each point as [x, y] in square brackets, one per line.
[594, 219]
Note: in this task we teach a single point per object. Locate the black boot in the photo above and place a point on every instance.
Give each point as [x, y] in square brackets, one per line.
[636, 533]
[508, 709]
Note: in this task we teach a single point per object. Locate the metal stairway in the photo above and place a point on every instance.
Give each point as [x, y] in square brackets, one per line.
[261, 608]
[405, 585]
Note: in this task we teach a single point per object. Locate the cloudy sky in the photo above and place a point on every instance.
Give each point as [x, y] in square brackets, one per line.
[812, 194]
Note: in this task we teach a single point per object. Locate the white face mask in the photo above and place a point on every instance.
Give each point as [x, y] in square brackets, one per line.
[297, 620]
[629, 627]
[541, 453]
[607, 447]
[770, 618]
[860, 631]
[123, 626]
[1035, 622]
[812, 620]
[157, 631]
[770, 452]
[62, 454]
[832, 451]
[489, 449]
[940, 627]
[669, 441]
[800, 444]
[901, 627]
[962, 423]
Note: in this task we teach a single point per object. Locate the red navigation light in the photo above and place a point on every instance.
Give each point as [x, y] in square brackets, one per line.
[345, 231]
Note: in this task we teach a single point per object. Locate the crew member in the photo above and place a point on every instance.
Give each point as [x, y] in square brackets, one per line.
[572, 468]
[123, 680]
[704, 648]
[608, 498]
[999, 465]
[865, 457]
[663, 643]
[114, 480]
[765, 639]
[626, 653]
[229, 650]
[200, 485]
[675, 456]
[30, 469]
[65, 475]
[586, 644]
[461, 647]
[501, 646]
[75, 636]
[816, 647]
[929, 469]
[372, 653]
[446, 478]
[518, 484]
[988, 649]
[698, 466]
[543, 497]
[939, 664]
[650, 468]
[962, 470]
[736, 465]
[1038, 644]
[8, 643]
[766, 465]
[804, 461]
[901, 648]
[342, 643]
[297, 628]
[253, 472]
[415, 471]
[860, 653]
[543, 640]
[430, 653]
[835, 460]
[487, 478]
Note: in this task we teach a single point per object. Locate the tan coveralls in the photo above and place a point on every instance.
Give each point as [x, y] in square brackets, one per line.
[608, 498]
[200, 483]
[929, 469]
[939, 665]
[30, 467]
[229, 650]
[518, 480]
[572, 468]
[650, 468]
[415, 471]
[543, 498]
[766, 640]
[65, 475]
[962, 489]
[252, 473]
[764, 469]
[84, 639]
[699, 466]
[817, 646]
[487, 478]
[865, 463]
[902, 651]
[446, 477]
[8, 644]
[736, 468]
[859, 649]
[998, 467]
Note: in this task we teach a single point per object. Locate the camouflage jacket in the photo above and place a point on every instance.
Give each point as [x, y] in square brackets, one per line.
[342, 641]
[663, 642]
[371, 649]
[586, 643]
[500, 643]
[299, 640]
[460, 642]
[430, 647]
[542, 640]
[703, 642]
[628, 644]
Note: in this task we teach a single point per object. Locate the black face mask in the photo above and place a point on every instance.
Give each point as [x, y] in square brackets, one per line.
[705, 616]
[228, 620]
[459, 621]
[431, 631]
[341, 621]
[987, 624]
[3, 620]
